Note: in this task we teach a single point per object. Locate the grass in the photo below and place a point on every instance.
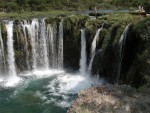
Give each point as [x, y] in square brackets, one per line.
[24, 15]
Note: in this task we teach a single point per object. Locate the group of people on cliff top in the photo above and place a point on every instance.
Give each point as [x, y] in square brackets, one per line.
[141, 9]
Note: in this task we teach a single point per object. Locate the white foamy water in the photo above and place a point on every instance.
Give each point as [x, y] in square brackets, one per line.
[69, 84]
[10, 50]
[12, 82]
[83, 59]
[93, 47]
[8, 82]
[42, 73]
[60, 45]
[55, 87]
[51, 37]
[11, 79]
[23, 25]
[42, 47]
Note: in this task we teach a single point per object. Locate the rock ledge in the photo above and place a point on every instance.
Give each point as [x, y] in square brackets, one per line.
[110, 99]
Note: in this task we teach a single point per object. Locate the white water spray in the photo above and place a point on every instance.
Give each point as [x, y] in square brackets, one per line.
[43, 40]
[121, 50]
[24, 24]
[60, 46]
[10, 50]
[52, 45]
[42, 47]
[93, 48]
[83, 59]
[33, 33]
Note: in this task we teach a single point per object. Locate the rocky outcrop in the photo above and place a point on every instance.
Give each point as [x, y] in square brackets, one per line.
[110, 99]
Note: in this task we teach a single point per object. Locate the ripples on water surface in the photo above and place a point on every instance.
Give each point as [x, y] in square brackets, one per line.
[50, 91]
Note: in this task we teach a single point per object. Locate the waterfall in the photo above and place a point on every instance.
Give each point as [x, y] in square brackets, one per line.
[93, 48]
[60, 45]
[43, 40]
[52, 45]
[23, 25]
[2, 56]
[121, 50]
[43, 50]
[33, 33]
[10, 50]
[42, 46]
[38, 41]
[83, 59]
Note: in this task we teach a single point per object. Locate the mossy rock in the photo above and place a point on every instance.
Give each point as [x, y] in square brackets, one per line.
[52, 20]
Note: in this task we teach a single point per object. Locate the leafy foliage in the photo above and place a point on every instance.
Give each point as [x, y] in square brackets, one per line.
[44, 5]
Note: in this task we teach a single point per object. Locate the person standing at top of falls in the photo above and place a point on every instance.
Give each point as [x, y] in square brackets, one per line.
[95, 9]
[141, 9]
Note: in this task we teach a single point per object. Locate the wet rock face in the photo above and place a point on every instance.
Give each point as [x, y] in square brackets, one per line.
[96, 62]
[130, 51]
[110, 99]
[71, 50]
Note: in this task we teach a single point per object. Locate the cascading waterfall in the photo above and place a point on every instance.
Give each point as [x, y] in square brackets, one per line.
[2, 56]
[83, 59]
[60, 45]
[52, 45]
[55, 46]
[93, 48]
[34, 33]
[43, 50]
[121, 50]
[43, 40]
[27, 25]
[42, 45]
[10, 50]
[23, 25]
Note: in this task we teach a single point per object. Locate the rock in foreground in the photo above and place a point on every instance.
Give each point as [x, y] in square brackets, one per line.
[110, 99]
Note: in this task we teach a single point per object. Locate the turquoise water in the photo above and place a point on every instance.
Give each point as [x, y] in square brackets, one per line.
[49, 93]
[104, 11]
[29, 98]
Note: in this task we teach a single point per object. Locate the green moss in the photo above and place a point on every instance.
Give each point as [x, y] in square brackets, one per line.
[146, 87]
[51, 20]
[139, 73]
[18, 54]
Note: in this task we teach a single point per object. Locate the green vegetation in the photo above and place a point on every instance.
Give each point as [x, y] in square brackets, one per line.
[28, 15]
[141, 64]
[44, 5]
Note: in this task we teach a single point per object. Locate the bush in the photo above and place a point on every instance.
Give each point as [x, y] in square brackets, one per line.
[11, 6]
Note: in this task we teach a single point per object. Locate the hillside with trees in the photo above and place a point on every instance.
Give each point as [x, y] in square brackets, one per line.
[44, 5]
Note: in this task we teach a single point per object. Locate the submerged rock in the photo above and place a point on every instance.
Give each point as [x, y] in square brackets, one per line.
[110, 99]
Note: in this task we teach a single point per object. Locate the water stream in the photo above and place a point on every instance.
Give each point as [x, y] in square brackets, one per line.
[121, 50]
[83, 59]
[93, 48]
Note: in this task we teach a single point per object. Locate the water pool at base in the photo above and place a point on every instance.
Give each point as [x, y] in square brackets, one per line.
[42, 92]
